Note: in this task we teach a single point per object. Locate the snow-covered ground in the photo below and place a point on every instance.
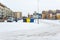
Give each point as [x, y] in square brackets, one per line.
[45, 30]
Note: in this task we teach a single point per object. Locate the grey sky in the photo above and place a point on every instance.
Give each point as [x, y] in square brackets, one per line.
[31, 5]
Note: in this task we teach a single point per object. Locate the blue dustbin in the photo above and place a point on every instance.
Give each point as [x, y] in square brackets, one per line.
[32, 20]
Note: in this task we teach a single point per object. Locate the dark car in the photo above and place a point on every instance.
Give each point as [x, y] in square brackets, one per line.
[16, 20]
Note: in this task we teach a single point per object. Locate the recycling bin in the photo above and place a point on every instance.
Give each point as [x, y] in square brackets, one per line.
[32, 20]
[28, 20]
[24, 20]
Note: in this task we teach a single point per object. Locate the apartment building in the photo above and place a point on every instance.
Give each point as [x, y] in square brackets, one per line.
[44, 14]
[58, 14]
[5, 11]
[52, 14]
[17, 15]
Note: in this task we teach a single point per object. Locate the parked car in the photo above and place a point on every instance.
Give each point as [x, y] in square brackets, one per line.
[10, 19]
[16, 20]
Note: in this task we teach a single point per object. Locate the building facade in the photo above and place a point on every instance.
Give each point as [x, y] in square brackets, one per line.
[18, 15]
[58, 14]
[5, 11]
[44, 14]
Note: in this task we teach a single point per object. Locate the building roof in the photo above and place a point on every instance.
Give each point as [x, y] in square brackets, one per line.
[44, 12]
[2, 5]
[57, 11]
[50, 11]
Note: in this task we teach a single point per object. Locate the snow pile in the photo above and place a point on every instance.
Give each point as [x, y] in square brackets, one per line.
[45, 30]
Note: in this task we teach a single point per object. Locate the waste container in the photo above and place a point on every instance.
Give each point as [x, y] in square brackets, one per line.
[32, 20]
[28, 20]
[24, 19]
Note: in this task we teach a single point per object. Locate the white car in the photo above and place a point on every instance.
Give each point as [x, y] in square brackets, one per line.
[10, 19]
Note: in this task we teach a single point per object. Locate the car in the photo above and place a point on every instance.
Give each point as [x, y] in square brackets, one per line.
[10, 19]
[16, 20]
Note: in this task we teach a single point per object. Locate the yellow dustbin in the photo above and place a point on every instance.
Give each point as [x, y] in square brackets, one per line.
[28, 20]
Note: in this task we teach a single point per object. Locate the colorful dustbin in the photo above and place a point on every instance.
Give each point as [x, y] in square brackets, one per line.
[28, 20]
[32, 20]
[24, 19]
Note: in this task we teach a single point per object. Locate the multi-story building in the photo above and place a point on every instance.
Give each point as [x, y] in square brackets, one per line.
[5, 11]
[58, 14]
[18, 15]
[44, 14]
[52, 14]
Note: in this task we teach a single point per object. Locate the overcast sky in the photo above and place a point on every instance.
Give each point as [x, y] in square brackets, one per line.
[29, 6]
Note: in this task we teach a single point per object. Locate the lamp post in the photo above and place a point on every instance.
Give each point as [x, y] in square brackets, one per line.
[38, 10]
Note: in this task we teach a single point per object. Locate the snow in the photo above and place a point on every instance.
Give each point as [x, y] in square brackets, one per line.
[45, 30]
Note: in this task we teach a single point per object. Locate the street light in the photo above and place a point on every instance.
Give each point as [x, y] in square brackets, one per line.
[38, 10]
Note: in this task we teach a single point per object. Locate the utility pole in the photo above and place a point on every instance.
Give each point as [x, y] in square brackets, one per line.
[38, 10]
